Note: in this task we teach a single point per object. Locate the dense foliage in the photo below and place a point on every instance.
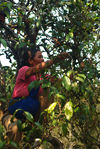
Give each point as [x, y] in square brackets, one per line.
[57, 26]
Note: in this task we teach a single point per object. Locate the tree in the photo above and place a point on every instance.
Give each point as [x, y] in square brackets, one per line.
[58, 26]
[55, 26]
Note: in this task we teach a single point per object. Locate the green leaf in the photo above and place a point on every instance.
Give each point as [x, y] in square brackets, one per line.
[51, 107]
[60, 96]
[24, 126]
[9, 5]
[68, 110]
[67, 37]
[38, 22]
[1, 129]
[64, 129]
[3, 100]
[39, 125]
[15, 114]
[35, 84]
[54, 122]
[19, 124]
[69, 73]
[66, 83]
[98, 99]
[22, 44]
[19, 20]
[82, 75]
[71, 34]
[75, 86]
[29, 116]
[79, 79]
[76, 109]
[3, 42]
[47, 84]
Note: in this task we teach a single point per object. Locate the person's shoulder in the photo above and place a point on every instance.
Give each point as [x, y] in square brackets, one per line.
[21, 72]
[23, 68]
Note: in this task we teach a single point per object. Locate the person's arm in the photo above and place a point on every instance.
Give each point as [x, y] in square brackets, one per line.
[39, 67]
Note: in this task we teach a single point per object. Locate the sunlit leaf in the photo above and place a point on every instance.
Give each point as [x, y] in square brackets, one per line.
[54, 122]
[60, 96]
[75, 86]
[82, 75]
[51, 107]
[76, 109]
[79, 79]
[67, 37]
[3, 42]
[24, 125]
[69, 73]
[71, 34]
[68, 110]
[66, 83]
[98, 99]
[38, 22]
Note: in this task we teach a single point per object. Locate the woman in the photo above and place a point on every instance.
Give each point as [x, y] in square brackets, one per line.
[32, 65]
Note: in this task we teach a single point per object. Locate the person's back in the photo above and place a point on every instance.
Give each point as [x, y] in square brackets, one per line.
[21, 86]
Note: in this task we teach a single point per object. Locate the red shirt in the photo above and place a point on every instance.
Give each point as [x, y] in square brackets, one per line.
[21, 86]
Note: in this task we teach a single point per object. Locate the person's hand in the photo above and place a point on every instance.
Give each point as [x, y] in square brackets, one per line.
[61, 56]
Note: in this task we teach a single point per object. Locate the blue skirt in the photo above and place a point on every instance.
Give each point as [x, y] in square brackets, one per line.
[30, 104]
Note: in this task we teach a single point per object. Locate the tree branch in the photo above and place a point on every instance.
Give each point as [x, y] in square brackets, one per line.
[55, 142]
[9, 30]
[32, 34]
[27, 3]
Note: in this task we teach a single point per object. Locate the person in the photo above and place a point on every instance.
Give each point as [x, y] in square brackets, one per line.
[32, 66]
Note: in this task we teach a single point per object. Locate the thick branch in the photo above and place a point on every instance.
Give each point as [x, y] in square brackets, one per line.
[32, 34]
[55, 142]
[9, 30]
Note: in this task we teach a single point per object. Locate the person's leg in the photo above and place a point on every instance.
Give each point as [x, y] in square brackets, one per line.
[29, 104]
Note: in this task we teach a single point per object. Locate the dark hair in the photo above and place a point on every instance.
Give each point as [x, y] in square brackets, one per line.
[24, 56]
